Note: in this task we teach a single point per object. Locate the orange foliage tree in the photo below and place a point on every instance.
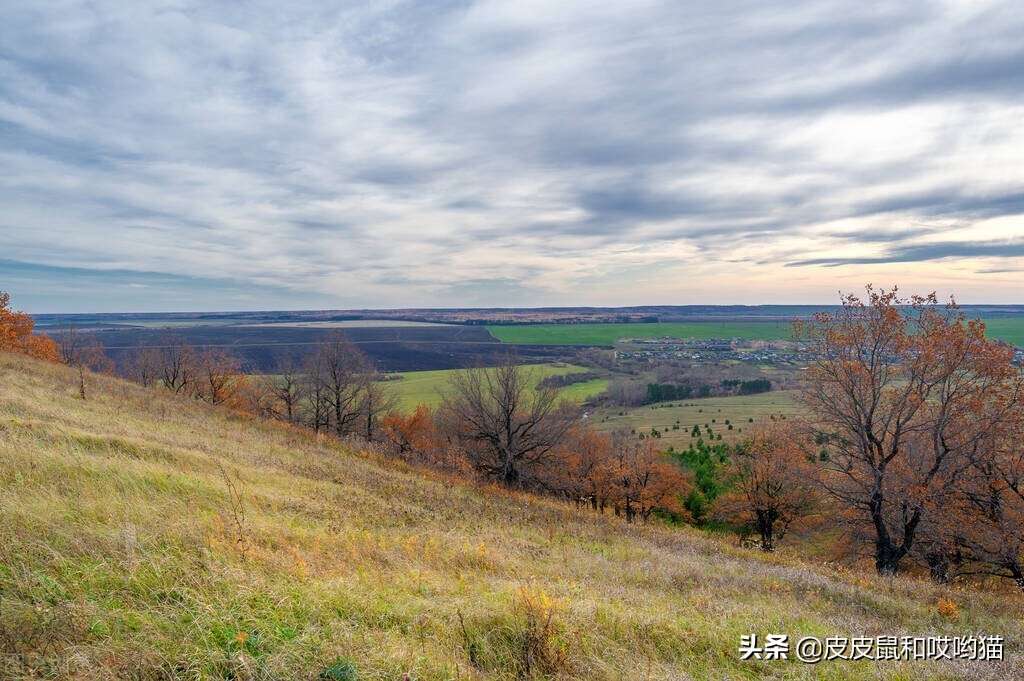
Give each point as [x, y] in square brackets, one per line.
[417, 437]
[649, 481]
[771, 484]
[637, 479]
[16, 334]
[216, 376]
[902, 395]
[581, 469]
[983, 522]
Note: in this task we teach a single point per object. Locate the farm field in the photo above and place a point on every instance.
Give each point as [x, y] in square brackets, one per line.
[427, 387]
[608, 334]
[391, 348]
[353, 324]
[1009, 329]
[713, 411]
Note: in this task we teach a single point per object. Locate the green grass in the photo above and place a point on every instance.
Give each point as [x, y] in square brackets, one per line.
[145, 537]
[428, 387]
[1009, 330]
[608, 334]
[738, 410]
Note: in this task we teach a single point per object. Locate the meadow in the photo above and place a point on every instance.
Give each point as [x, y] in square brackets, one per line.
[144, 536]
[742, 412]
[428, 387]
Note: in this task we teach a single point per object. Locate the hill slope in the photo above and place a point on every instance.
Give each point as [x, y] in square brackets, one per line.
[146, 537]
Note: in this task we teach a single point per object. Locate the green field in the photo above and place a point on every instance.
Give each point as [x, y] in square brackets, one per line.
[713, 411]
[608, 334]
[427, 387]
[1008, 329]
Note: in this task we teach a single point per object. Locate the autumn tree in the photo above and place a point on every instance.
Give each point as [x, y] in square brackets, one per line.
[900, 393]
[982, 528]
[216, 376]
[419, 438]
[641, 480]
[411, 433]
[16, 334]
[770, 476]
[581, 468]
[651, 482]
[505, 426]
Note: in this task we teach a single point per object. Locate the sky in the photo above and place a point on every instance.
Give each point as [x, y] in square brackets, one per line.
[311, 155]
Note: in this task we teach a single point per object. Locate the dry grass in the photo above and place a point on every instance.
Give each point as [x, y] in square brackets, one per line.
[146, 537]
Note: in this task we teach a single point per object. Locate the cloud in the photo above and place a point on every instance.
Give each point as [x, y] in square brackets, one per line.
[399, 153]
[924, 252]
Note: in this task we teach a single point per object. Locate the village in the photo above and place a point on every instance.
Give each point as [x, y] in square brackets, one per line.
[711, 350]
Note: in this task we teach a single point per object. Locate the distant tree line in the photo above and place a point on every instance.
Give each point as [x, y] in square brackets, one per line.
[751, 387]
[666, 392]
[563, 380]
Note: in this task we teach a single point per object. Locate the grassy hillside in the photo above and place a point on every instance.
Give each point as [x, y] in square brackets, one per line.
[146, 537]
[427, 387]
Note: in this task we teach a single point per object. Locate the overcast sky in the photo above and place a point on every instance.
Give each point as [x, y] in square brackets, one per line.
[207, 156]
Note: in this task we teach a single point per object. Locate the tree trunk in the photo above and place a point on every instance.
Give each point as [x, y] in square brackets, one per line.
[510, 476]
[1018, 574]
[766, 528]
[938, 566]
[887, 558]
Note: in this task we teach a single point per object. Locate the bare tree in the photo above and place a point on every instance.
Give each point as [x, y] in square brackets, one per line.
[374, 403]
[176, 369]
[287, 388]
[315, 407]
[143, 366]
[504, 424]
[339, 373]
[84, 352]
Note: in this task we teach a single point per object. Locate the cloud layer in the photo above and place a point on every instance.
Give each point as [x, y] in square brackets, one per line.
[397, 154]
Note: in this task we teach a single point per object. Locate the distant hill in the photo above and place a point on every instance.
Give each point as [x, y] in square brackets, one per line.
[142, 536]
